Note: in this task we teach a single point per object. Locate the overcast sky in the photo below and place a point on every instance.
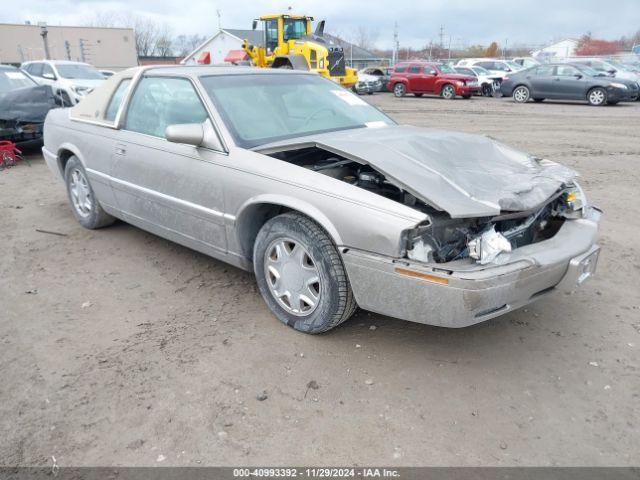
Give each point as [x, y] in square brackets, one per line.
[466, 21]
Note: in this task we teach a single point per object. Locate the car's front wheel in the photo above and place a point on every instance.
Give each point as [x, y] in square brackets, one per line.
[84, 204]
[300, 274]
[448, 92]
[597, 96]
[521, 94]
[399, 90]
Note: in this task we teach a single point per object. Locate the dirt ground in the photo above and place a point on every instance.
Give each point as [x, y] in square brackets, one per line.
[120, 348]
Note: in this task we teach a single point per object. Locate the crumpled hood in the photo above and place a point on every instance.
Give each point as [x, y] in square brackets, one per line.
[462, 174]
[28, 104]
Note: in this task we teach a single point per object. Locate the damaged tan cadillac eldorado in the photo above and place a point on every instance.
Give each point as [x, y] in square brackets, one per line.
[331, 203]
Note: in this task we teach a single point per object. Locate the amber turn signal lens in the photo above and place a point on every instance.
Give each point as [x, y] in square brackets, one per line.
[422, 276]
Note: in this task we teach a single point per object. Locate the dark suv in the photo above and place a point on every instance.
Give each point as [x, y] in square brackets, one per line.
[433, 78]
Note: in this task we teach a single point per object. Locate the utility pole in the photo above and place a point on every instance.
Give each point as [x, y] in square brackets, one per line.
[441, 36]
[396, 45]
[506, 45]
[67, 49]
[43, 33]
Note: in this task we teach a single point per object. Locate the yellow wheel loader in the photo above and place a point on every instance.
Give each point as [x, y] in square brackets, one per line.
[289, 43]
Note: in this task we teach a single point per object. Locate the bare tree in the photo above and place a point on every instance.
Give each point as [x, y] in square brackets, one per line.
[183, 45]
[366, 37]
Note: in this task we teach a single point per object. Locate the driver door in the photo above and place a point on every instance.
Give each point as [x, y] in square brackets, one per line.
[171, 189]
[571, 83]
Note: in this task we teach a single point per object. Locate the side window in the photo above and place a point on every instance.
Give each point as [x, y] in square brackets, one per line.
[116, 100]
[544, 71]
[400, 69]
[46, 68]
[487, 65]
[158, 102]
[36, 69]
[566, 71]
[429, 70]
[414, 69]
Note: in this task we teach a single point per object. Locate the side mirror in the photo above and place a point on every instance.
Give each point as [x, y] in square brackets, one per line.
[49, 76]
[578, 76]
[188, 133]
[254, 25]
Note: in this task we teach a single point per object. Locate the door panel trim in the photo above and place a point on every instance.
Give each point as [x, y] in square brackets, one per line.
[227, 217]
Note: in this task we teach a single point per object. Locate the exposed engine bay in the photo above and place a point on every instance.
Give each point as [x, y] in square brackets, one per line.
[442, 238]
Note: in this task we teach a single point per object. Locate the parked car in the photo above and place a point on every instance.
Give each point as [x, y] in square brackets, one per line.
[23, 107]
[420, 77]
[496, 67]
[489, 84]
[71, 80]
[561, 81]
[607, 68]
[526, 62]
[383, 74]
[325, 198]
[366, 84]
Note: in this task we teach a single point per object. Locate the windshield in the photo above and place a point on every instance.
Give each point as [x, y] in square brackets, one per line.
[79, 71]
[446, 69]
[14, 79]
[514, 65]
[294, 28]
[265, 108]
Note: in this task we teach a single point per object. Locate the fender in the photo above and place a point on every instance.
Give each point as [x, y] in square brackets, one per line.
[243, 217]
[298, 62]
[74, 151]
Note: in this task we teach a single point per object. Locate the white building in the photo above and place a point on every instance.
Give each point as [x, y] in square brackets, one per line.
[215, 49]
[562, 49]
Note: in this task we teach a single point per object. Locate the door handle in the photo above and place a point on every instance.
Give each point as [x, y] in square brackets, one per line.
[120, 149]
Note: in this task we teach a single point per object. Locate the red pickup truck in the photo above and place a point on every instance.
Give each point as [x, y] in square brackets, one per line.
[420, 77]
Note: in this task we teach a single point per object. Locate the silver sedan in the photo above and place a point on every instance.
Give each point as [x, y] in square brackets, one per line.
[330, 202]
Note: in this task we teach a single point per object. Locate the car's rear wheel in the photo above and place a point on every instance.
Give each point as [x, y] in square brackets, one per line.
[399, 90]
[448, 92]
[597, 96]
[300, 274]
[521, 94]
[84, 204]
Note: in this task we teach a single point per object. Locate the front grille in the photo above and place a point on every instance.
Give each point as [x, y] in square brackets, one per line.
[336, 62]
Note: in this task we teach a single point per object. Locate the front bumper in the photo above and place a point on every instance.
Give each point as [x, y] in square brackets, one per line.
[620, 95]
[467, 89]
[474, 293]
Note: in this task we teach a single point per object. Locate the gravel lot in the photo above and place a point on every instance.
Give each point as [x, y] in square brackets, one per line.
[120, 348]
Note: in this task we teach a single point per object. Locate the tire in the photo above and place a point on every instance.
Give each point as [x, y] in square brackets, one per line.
[399, 90]
[295, 243]
[487, 91]
[448, 92]
[369, 93]
[521, 94]
[84, 204]
[597, 97]
[538, 100]
[418, 94]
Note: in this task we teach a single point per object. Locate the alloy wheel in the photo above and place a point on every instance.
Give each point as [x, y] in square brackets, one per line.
[80, 193]
[597, 97]
[521, 94]
[292, 276]
[448, 92]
